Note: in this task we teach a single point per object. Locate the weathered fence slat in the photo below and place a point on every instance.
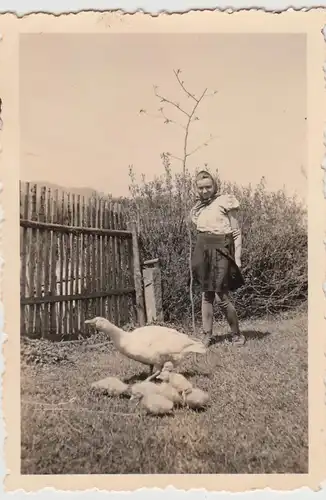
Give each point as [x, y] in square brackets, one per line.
[93, 254]
[118, 260]
[37, 286]
[45, 259]
[107, 258]
[131, 273]
[89, 288]
[113, 267]
[100, 257]
[140, 303]
[24, 253]
[32, 263]
[67, 251]
[81, 262]
[61, 307]
[54, 245]
[124, 300]
[77, 325]
[71, 198]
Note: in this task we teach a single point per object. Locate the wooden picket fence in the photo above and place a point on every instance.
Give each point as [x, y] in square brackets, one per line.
[78, 260]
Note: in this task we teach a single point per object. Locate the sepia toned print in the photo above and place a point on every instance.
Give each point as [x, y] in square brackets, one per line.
[168, 188]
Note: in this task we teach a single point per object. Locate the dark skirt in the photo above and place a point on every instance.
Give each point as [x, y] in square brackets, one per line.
[213, 264]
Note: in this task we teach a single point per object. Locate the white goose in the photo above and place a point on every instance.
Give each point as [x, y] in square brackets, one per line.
[151, 345]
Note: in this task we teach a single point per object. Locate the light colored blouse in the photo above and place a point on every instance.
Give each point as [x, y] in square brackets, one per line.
[214, 217]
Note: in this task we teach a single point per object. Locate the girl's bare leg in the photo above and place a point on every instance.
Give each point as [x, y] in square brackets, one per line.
[231, 316]
[207, 313]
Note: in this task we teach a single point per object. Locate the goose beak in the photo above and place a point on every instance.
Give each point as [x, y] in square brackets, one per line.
[93, 322]
[90, 321]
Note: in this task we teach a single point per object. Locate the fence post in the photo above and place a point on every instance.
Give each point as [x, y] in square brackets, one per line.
[140, 303]
[153, 290]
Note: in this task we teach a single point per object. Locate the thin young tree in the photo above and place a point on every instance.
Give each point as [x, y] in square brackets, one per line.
[188, 115]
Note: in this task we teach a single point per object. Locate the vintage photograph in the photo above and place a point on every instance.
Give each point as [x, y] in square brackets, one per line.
[163, 253]
[163, 233]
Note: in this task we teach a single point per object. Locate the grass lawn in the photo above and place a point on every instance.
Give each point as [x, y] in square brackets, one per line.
[257, 421]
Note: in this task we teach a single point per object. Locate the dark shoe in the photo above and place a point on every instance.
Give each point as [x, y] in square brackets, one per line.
[228, 340]
[211, 341]
[238, 340]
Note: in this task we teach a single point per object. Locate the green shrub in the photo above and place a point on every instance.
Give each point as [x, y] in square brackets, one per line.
[274, 230]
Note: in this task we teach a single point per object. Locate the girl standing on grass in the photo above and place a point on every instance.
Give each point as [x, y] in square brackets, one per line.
[216, 260]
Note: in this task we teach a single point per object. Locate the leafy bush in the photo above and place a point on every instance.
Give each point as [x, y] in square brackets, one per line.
[274, 255]
[43, 352]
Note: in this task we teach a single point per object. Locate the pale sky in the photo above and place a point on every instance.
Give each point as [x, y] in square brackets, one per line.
[80, 97]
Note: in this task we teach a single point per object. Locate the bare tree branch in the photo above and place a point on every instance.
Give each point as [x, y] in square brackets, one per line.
[169, 120]
[204, 144]
[185, 144]
[165, 99]
[181, 83]
[166, 119]
[174, 157]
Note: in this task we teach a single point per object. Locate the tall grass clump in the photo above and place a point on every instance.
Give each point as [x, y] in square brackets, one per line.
[274, 227]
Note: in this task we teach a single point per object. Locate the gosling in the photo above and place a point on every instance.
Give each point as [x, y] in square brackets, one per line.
[169, 392]
[156, 404]
[176, 380]
[111, 386]
[197, 399]
[140, 389]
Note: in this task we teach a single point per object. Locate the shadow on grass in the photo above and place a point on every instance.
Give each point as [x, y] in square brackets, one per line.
[191, 373]
[255, 334]
[199, 410]
[139, 377]
[248, 334]
[196, 373]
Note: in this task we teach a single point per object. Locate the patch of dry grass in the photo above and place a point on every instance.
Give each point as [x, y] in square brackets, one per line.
[257, 422]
